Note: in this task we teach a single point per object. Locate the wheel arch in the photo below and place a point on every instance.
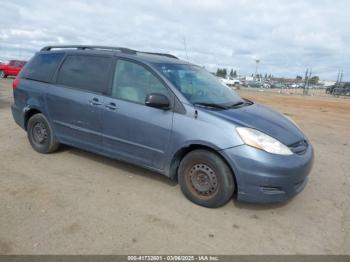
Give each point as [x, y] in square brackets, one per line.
[28, 114]
[182, 152]
[4, 72]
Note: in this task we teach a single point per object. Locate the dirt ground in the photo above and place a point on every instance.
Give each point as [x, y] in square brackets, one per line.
[74, 202]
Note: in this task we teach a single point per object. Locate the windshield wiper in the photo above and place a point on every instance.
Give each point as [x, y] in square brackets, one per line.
[236, 104]
[210, 105]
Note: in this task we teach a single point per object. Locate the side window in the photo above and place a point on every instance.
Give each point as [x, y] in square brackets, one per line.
[133, 82]
[42, 67]
[85, 72]
[19, 64]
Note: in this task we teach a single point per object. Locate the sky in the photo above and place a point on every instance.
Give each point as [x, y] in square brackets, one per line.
[287, 36]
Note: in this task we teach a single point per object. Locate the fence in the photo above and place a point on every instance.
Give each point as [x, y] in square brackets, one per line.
[293, 91]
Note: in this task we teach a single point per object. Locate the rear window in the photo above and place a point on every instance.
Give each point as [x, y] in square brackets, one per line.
[42, 67]
[85, 72]
[20, 63]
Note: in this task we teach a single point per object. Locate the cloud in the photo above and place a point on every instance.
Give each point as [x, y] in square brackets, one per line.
[287, 36]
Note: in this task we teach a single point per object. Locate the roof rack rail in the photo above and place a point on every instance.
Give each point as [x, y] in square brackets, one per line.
[96, 47]
[84, 47]
[161, 54]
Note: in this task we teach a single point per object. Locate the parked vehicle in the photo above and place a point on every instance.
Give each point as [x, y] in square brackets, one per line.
[11, 69]
[234, 82]
[253, 84]
[224, 81]
[163, 114]
[266, 85]
[230, 82]
[279, 86]
[294, 85]
[329, 90]
[340, 89]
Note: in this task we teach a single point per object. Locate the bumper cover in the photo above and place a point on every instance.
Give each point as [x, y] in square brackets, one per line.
[17, 115]
[265, 178]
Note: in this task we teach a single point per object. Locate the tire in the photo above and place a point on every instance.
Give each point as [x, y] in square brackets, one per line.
[205, 179]
[40, 134]
[2, 74]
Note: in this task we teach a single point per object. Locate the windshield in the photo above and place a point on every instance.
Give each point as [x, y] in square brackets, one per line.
[198, 85]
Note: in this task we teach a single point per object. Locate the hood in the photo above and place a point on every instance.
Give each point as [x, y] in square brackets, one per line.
[263, 119]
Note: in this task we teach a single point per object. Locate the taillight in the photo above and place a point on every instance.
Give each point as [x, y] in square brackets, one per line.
[15, 83]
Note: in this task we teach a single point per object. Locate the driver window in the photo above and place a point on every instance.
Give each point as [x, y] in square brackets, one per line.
[132, 82]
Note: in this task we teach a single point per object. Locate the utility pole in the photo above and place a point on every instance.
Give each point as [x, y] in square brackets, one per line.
[338, 77]
[256, 68]
[306, 81]
[341, 77]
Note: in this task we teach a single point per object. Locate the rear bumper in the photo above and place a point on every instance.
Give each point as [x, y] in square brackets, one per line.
[17, 115]
[265, 178]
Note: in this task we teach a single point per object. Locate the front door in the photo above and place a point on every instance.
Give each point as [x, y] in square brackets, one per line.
[131, 130]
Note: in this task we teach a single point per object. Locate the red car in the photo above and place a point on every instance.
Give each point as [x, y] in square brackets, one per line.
[12, 68]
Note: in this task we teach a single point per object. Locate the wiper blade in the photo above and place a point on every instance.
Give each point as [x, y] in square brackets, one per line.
[249, 102]
[237, 104]
[210, 105]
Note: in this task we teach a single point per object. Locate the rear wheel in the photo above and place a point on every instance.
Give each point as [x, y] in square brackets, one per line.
[2, 74]
[40, 134]
[205, 178]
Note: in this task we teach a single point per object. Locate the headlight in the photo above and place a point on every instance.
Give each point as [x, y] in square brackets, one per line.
[257, 139]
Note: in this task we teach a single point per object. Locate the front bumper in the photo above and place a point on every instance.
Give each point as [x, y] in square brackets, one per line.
[264, 178]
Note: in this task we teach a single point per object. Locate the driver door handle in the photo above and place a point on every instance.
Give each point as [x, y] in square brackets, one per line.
[95, 102]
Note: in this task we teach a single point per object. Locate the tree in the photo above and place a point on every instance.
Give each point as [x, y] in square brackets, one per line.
[265, 76]
[235, 74]
[231, 73]
[299, 78]
[224, 72]
[314, 80]
[221, 72]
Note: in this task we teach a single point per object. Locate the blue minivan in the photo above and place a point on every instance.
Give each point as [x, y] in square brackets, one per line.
[164, 114]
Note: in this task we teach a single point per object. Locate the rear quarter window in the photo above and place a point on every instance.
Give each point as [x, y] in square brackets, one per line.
[42, 67]
[85, 72]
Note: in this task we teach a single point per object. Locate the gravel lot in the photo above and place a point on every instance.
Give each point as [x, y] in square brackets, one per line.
[75, 202]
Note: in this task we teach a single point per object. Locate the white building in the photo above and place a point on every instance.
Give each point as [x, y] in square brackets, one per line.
[326, 82]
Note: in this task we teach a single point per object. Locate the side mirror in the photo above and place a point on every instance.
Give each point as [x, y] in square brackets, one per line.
[157, 101]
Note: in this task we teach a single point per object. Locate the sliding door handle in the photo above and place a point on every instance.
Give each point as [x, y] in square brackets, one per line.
[111, 106]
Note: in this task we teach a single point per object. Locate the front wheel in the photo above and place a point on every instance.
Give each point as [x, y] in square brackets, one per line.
[2, 74]
[40, 134]
[205, 178]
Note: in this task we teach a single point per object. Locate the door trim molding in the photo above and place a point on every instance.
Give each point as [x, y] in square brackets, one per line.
[106, 136]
